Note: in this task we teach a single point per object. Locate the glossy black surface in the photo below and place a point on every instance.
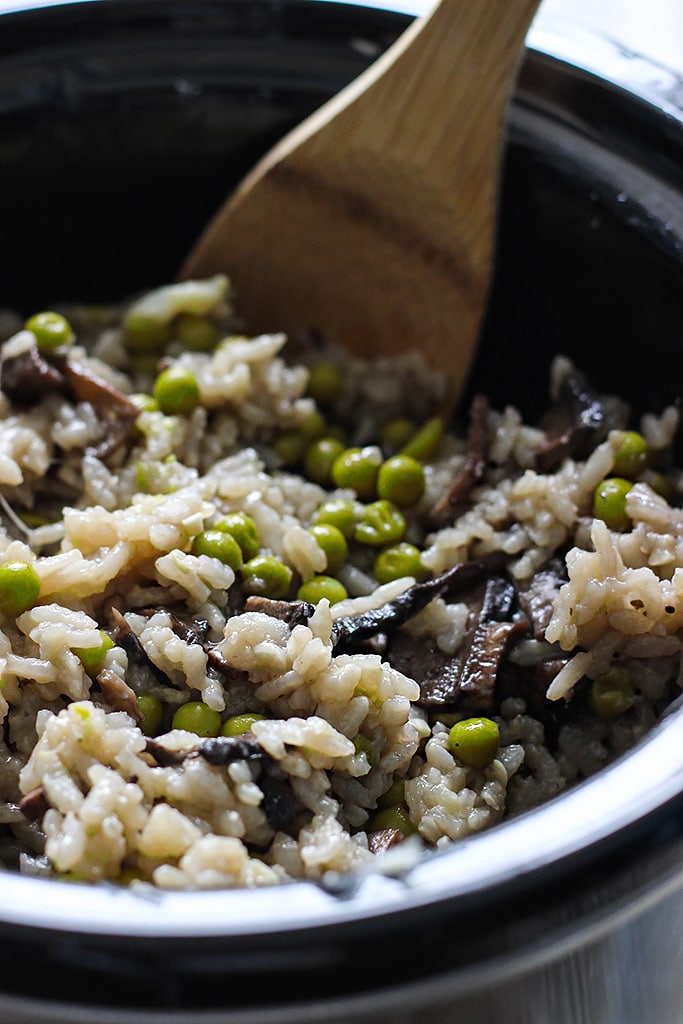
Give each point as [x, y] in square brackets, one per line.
[122, 126]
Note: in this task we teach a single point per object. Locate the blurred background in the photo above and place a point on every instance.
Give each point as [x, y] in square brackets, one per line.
[653, 28]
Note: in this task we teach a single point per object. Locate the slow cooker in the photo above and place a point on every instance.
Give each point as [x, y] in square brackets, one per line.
[122, 125]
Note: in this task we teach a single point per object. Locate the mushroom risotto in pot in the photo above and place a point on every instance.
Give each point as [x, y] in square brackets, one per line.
[264, 616]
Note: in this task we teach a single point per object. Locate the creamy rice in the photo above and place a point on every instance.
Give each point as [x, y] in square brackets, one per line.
[562, 634]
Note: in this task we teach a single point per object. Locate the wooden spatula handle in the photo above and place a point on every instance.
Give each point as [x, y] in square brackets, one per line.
[374, 220]
[432, 107]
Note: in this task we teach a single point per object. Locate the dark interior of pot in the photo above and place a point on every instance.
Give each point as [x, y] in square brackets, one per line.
[123, 127]
[118, 144]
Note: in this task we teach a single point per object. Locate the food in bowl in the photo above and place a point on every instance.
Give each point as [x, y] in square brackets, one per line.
[264, 618]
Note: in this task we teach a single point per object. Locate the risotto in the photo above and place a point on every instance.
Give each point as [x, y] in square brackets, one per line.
[264, 617]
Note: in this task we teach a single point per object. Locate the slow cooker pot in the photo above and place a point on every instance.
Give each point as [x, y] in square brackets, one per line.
[122, 124]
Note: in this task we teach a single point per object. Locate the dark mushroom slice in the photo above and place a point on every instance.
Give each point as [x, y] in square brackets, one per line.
[468, 678]
[196, 633]
[280, 804]
[537, 595]
[164, 757]
[29, 377]
[458, 495]
[437, 673]
[352, 633]
[223, 750]
[574, 425]
[297, 613]
[86, 386]
[483, 662]
[34, 805]
[294, 613]
[126, 638]
[118, 694]
[351, 630]
[117, 412]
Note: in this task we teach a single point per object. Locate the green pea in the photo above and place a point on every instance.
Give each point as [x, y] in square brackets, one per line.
[333, 543]
[319, 459]
[51, 330]
[392, 817]
[357, 468]
[325, 382]
[152, 712]
[92, 658]
[609, 502]
[396, 433]
[313, 425]
[176, 391]
[318, 587]
[402, 480]
[381, 523]
[266, 576]
[239, 724]
[364, 745]
[630, 453]
[474, 741]
[290, 447]
[394, 795]
[339, 512]
[612, 693]
[145, 335]
[220, 545]
[244, 530]
[19, 587]
[197, 717]
[395, 562]
[426, 440]
[196, 333]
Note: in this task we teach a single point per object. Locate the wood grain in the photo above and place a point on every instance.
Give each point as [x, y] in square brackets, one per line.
[374, 220]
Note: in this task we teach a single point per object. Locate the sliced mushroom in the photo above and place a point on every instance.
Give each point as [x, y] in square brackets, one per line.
[118, 693]
[472, 473]
[575, 424]
[537, 595]
[280, 804]
[222, 750]
[483, 661]
[117, 412]
[294, 613]
[34, 805]
[196, 634]
[352, 630]
[29, 377]
[469, 677]
[126, 638]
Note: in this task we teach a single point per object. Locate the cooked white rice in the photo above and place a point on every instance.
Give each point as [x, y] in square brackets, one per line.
[345, 747]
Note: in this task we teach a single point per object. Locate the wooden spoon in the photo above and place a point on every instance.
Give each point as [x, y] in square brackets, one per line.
[374, 220]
